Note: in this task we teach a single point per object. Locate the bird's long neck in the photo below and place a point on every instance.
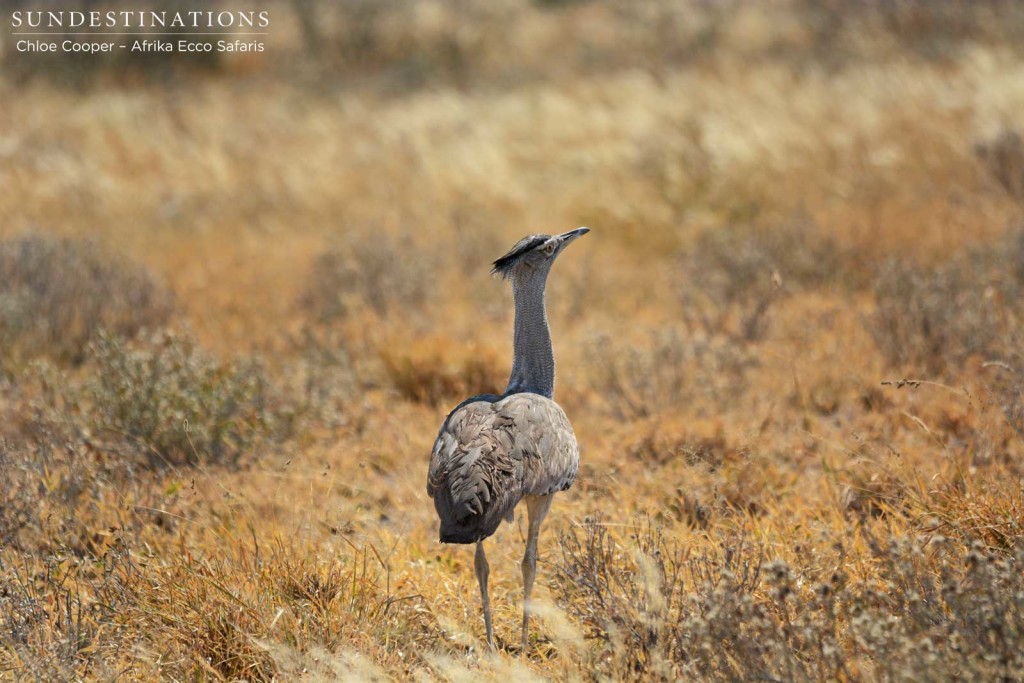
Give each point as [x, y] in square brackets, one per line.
[533, 360]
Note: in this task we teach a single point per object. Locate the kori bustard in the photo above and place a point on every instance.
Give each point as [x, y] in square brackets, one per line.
[494, 451]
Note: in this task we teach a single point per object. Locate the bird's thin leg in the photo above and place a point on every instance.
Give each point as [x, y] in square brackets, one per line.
[482, 570]
[538, 508]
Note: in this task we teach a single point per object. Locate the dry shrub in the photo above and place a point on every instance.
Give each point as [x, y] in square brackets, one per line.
[322, 379]
[679, 166]
[375, 271]
[663, 439]
[941, 610]
[57, 293]
[391, 37]
[730, 278]
[722, 478]
[931, 320]
[966, 507]
[166, 400]
[412, 44]
[934, 319]
[843, 34]
[1010, 391]
[479, 42]
[636, 382]
[873, 493]
[941, 30]
[1003, 157]
[661, 615]
[206, 620]
[49, 472]
[741, 488]
[223, 641]
[432, 373]
[354, 600]
[65, 578]
[162, 401]
[946, 610]
[747, 486]
[1004, 379]
[20, 492]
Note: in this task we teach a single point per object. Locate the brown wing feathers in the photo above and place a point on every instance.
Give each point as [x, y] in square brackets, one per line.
[489, 453]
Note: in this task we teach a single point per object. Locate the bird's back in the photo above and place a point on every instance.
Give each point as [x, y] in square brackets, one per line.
[493, 450]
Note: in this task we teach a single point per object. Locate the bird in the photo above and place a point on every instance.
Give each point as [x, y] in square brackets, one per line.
[494, 451]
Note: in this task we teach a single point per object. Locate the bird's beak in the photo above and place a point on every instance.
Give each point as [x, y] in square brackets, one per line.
[567, 237]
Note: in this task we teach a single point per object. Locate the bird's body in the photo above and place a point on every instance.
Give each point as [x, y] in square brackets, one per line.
[494, 451]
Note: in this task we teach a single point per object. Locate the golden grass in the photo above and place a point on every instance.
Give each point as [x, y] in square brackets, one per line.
[317, 558]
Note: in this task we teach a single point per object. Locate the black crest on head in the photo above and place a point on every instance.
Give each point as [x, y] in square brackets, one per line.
[503, 266]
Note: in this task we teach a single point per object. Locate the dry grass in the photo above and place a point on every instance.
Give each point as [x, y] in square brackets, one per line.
[791, 346]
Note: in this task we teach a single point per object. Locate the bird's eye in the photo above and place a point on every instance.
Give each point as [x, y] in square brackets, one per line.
[549, 248]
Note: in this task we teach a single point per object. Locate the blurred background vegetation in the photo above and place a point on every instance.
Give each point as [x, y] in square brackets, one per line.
[238, 293]
[397, 46]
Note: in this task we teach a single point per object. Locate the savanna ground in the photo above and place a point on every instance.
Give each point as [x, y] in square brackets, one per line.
[237, 297]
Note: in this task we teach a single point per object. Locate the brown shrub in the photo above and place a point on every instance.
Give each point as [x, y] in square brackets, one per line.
[934, 319]
[322, 379]
[730, 278]
[932, 31]
[374, 271]
[871, 493]
[56, 294]
[943, 610]
[635, 382]
[658, 442]
[432, 373]
[1003, 158]
[968, 508]
[20, 492]
[1012, 403]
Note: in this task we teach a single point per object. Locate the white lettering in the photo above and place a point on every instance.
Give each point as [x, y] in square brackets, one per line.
[239, 46]
[35, 46]
[90, 48]
[187, 46]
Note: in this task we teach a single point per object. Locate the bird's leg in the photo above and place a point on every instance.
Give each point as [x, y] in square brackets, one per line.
[537, 506]
[482, 570]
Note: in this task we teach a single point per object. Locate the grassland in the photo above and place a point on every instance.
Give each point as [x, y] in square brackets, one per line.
[237, 299]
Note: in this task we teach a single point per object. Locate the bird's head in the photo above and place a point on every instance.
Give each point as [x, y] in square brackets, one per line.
[534, 254]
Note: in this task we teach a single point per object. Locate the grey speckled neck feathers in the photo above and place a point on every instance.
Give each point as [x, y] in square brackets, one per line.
[533, 360]
[527, 265]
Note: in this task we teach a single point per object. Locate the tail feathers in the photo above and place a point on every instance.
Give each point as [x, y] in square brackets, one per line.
[460, 525]
[460, 535]
[471, 530]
